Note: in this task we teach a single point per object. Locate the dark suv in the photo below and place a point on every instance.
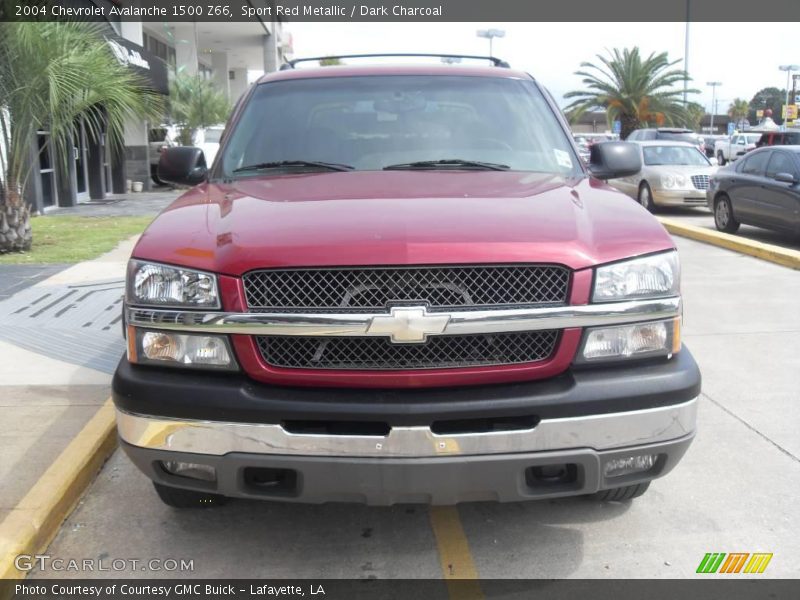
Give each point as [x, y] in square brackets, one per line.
[675, 134]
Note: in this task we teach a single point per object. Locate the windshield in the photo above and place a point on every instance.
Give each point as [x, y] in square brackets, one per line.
[375, 122]
[673, 155]
[752, 139]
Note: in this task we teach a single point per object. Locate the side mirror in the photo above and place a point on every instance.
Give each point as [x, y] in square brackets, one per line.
[182, 165]
[785, 178]
[610, 160]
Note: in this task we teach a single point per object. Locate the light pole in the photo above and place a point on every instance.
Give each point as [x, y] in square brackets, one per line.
[490, 34]
[713, 85]
[788, 69]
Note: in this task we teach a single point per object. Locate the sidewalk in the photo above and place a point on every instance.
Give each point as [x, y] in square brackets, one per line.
[60, 340]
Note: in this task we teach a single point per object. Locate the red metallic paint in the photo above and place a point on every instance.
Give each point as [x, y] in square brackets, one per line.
[401, 218]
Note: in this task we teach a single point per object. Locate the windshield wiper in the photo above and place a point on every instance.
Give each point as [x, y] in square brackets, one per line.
[447, 163]
[283, 164]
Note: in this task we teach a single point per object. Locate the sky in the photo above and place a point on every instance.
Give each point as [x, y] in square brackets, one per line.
[744, 57]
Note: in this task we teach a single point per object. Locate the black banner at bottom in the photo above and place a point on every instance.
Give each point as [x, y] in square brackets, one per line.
[719, 588]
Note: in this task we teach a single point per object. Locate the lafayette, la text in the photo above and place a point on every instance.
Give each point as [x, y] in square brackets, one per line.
[182, 590]
[356, 10]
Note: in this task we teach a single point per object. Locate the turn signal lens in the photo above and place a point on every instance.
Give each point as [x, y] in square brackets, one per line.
[167, 348]
[640, 340]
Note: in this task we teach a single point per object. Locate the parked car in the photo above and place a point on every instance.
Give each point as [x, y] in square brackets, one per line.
[676, 134]
[761, 189]
[159, 138]
[584, 146]
[673, 174]
[400, 284]
[208, 140]
[779, 138]
[709, 140]
[735, 146]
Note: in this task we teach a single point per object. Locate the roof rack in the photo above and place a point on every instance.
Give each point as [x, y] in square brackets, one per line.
[496, 61]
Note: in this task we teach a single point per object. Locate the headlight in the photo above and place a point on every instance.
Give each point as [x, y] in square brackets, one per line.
[179, 350]
[639, 340]
[673, 181]
[654, 276]
[163, 285]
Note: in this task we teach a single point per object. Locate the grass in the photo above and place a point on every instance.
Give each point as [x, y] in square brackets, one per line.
[58, 239]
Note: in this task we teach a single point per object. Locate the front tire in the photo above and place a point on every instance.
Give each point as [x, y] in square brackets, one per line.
[181, 498]
[721, 159]
[620, 494]
[723, 215]
[646, 197]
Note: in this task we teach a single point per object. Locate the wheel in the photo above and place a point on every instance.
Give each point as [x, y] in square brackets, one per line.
[720, 159]
[628, 492]
[646, 197]
[723, 215]
[154, 175]
[180, 498]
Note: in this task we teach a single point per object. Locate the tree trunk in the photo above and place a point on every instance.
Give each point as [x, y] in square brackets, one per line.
[629, 123]
[15, 221]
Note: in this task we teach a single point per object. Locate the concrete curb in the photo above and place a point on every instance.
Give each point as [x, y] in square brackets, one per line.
[33, 523]
[776, 254]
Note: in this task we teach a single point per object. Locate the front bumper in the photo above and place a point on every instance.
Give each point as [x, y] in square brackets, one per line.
[436, 448]
[386, 481]
[689, 197]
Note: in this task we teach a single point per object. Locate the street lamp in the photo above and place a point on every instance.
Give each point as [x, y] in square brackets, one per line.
[713, 85]
[788, 69]
[490, 34]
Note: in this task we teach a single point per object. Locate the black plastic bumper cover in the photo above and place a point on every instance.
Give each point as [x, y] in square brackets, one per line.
[185, 394]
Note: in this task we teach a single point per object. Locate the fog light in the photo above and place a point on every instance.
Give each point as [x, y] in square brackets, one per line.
[625, 465]
[190, 470]
[641, 340]
[164, 347]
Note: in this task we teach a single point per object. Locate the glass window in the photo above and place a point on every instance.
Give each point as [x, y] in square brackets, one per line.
[372, 122]
[674, 155]
[780, 162]
[755, 164]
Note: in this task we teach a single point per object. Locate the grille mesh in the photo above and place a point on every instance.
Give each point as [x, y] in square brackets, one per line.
[377, 288]
[700, 182]
[439, 352]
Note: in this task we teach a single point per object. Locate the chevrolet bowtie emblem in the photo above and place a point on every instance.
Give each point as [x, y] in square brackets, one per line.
[408, 324]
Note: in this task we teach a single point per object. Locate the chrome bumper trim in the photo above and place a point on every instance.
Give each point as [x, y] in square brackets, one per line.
[599, 432]
[425, 323]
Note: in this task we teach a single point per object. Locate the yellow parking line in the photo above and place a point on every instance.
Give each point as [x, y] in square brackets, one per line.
[776, 254]
[455, 557]
[33, 523]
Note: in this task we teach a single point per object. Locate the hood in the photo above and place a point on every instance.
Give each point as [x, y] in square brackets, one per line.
[400, 218]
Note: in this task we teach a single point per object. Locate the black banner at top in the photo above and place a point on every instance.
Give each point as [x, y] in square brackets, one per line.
[402, 10]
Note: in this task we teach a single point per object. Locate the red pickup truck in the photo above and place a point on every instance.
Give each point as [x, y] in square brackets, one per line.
[400, 284]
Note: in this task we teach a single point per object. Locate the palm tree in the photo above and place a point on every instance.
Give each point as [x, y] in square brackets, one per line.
[633, 90]
[195, 103]
[738, 111]
[53, 75]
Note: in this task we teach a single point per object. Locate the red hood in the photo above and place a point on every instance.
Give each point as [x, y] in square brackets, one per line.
[399, 218]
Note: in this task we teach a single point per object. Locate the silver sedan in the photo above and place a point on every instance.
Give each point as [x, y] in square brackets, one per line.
[673, 174]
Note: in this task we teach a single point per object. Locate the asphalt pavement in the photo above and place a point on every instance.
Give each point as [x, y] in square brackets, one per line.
[702, 217]
[735, 490]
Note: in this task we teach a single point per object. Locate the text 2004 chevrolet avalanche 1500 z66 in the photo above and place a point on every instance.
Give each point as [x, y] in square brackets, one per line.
[400, 284]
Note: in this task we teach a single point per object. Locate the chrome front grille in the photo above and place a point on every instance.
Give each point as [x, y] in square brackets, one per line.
[700, 182]
[439, 352]
[370, 289]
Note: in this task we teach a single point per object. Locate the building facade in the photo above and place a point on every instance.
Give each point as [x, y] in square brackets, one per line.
[225, 53]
